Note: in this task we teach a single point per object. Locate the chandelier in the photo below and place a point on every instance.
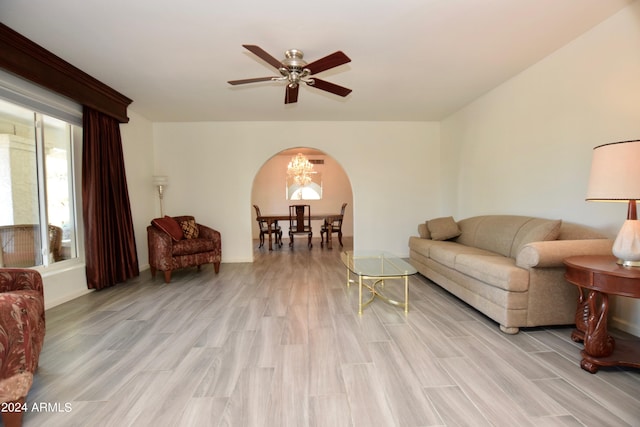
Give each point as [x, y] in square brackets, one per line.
[300, 169]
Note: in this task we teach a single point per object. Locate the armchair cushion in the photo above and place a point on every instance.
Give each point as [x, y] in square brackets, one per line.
[189, 229]
[22, 329]
[193, 246]
[169, 226]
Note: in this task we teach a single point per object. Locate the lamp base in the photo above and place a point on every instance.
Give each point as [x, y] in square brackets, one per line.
[627, 245]
[628, 263]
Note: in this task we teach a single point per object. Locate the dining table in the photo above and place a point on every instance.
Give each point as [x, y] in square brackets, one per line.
[273, 219]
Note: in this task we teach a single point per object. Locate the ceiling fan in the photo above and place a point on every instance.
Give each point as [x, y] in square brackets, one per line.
[294, 70]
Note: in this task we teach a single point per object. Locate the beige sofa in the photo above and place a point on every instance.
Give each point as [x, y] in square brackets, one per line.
[507, 267]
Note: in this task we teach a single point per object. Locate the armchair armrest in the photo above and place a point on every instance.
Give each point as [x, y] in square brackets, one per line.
[552, 253]
[160, 248]
[22, 330]
[20, 279]
[209, 233]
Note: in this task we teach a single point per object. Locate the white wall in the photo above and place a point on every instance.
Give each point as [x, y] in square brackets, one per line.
[269, 192]
[137, 145]
[525, 147]
[211, 167]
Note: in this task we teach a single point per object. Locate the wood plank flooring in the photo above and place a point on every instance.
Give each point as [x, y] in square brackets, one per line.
[278, 342]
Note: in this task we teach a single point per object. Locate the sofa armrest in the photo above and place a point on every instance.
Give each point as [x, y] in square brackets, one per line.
[20, 279]
[552, 253]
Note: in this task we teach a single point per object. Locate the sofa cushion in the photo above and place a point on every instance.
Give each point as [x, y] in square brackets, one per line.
[498, 271]
[169, 226]
[535, 230]
[192, 246]
[444, 228]
[190, 228]
[447, 252]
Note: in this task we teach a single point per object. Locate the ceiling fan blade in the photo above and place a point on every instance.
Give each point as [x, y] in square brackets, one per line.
[329, 61]
[330, 87]
[255, 80]
[262, 54]
[291, 95]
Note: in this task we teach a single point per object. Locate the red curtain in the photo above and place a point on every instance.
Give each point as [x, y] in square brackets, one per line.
[110, 245]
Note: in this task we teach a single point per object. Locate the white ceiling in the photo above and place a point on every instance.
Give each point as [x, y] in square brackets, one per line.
[410, 59]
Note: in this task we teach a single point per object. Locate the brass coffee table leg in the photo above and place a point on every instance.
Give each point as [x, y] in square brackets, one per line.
[406, 294]
[359, 294]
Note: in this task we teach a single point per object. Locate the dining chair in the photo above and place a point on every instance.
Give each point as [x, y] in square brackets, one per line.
[300, 222]
[336, 227]
[264, 228]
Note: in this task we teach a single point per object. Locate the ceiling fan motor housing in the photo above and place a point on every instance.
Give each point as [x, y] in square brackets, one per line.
[293, 60]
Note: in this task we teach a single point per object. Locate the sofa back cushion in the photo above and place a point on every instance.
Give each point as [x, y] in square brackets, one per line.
[572, 231]
[535, 230]
[506, 234]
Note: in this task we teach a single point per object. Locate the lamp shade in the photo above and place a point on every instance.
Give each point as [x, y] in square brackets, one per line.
[615, 172]
[160, 180]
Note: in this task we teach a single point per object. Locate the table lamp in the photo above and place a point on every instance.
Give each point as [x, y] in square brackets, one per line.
[615, 177]
[160, 181]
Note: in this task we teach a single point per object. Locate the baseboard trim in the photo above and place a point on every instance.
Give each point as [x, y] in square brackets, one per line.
[625, 326]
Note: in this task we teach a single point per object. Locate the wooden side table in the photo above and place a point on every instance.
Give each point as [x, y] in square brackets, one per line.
[597, 277]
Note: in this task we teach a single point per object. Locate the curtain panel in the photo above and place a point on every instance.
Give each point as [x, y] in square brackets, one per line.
[110, 246]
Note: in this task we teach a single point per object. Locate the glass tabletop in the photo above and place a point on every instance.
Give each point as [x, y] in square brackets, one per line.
[376, 264]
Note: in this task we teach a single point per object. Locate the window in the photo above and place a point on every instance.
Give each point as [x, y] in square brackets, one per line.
[37, 203]
[303, 181]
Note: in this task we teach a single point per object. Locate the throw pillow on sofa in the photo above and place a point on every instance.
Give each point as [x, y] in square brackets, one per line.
[444, 228]
[423, 230]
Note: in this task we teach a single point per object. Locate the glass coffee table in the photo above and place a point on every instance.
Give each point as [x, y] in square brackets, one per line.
[376, 267]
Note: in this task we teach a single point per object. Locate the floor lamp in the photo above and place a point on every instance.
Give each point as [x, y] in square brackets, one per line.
[615, 177]
[161, 181]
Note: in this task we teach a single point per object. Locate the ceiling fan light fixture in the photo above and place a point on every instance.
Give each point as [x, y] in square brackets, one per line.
[293, 70]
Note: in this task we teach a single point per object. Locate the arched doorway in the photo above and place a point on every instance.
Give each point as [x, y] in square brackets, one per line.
[273, 195]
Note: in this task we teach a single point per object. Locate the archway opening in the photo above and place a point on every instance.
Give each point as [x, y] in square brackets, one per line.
[273, 192]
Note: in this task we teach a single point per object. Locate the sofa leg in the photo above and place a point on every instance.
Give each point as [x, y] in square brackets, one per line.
[167, 276]
[13, 419]
[510, 331]
[216, 267]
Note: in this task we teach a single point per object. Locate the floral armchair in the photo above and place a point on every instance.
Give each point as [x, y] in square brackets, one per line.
[178, 242]
[22, 329]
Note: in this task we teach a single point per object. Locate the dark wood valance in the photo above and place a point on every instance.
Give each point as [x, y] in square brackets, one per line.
[30, 61]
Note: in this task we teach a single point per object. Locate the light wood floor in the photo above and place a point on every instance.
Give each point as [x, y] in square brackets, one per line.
[278, 342]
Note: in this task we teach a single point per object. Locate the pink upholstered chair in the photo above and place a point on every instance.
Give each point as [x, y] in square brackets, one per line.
[22, 329]
[178, 242]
